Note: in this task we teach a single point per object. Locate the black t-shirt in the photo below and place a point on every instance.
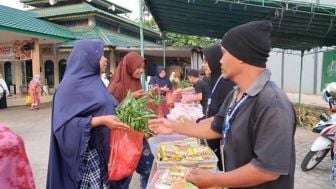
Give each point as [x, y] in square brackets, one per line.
[262, 133]
[202, 87]
[223, 88]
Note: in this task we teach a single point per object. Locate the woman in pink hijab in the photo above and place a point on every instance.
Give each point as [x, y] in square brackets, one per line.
[15, 171]
[34, 91]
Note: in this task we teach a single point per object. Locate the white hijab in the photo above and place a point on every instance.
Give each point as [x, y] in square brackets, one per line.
[4, 86]
[104, 79]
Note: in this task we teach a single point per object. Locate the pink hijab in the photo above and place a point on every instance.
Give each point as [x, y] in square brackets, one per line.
[15, 171]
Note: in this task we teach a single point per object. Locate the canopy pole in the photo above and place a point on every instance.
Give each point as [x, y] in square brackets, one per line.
[283, 69]
[300, 84]
[141, 28]
[164, 51]
[143, 77]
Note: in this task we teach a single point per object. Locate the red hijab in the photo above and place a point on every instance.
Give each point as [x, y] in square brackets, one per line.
[122, 80]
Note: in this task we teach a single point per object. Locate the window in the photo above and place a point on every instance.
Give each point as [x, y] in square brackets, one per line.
[61, 69]
[8, 73]
[49, 73]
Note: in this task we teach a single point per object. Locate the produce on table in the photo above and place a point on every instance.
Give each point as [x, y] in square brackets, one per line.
[184, 84]
[133, 113]
[185, 151]
[155, 95]
[185, 112]
[173, 178]
[182, 119]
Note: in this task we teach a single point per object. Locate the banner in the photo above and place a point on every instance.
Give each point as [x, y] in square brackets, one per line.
[15, 50]
[7, 51]
[329, 68]
[23, 50]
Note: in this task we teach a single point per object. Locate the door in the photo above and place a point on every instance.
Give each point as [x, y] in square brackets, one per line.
[29, 71]
[61, 68]
[8, 73]
[49, 73]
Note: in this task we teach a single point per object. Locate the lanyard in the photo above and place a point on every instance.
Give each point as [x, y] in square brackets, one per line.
[211, 96]
[230, 114]
[228, 121]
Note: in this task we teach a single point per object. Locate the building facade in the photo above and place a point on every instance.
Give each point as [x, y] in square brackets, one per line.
[27, 49]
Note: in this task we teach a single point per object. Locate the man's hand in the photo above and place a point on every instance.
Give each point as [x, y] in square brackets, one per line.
[201, 178]
[161, 126]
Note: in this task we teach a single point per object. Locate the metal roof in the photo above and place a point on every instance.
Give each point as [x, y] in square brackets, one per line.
[111, 39]
[52, 13]
[296, 25]
[104, 3]
[18, 21]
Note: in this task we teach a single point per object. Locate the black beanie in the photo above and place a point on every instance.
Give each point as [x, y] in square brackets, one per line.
[250, 42]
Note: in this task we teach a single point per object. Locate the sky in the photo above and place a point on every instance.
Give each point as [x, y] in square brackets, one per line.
[132, 5]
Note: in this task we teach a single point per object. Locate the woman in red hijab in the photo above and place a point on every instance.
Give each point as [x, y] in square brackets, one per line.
[127, 77]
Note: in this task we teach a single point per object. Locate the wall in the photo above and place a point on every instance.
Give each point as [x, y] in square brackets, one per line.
[291, 74]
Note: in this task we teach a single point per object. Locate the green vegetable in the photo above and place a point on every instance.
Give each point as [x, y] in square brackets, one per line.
[184, 84]
[155, 96]
[134, 113]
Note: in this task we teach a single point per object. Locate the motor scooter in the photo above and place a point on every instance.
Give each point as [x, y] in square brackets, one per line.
[324, 143]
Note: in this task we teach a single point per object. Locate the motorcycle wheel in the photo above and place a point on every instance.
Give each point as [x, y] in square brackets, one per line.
[312, 159]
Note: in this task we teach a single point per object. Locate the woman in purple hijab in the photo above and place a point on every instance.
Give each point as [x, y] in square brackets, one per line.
[81, 121]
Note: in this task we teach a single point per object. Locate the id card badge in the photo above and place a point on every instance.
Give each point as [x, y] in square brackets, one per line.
[222, 144]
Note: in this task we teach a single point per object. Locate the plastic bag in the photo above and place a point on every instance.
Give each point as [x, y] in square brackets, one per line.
[28, 100]
[125, 153]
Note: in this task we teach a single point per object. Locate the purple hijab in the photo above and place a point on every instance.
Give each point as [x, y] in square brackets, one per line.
[157, 80]
[80, 96]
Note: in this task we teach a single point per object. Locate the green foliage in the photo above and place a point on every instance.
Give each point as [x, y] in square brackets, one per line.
[154, 95]
[133, 113]
[184, 84]
[150, 24]
[181, 40]
[308, 116]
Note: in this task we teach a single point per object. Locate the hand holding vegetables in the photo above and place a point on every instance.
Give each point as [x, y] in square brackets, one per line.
[109, 120]
[133, 113]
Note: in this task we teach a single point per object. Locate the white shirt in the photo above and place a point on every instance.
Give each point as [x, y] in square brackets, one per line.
[4, 86]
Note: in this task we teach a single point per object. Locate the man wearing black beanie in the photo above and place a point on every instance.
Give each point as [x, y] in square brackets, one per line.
[256, 122]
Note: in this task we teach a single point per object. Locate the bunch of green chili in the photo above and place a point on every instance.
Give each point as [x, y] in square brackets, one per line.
[135, 114]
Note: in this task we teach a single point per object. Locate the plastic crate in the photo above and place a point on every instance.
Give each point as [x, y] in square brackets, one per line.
[154, 179]
[154, 141]
[156, 176]
[205, 164]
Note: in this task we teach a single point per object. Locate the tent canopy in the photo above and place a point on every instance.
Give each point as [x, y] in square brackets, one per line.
[296, 25]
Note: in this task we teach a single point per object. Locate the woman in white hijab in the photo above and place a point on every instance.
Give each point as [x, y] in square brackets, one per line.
[3, 93]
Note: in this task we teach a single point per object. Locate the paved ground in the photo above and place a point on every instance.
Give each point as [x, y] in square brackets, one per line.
[315, 100]
[34, 127]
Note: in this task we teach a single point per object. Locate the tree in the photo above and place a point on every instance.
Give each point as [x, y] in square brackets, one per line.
[180, 40]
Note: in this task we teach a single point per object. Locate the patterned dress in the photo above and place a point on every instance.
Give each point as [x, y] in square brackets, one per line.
[15, 171]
